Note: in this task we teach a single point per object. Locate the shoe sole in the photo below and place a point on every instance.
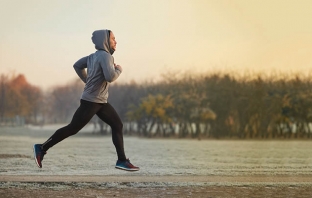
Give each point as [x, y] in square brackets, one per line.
[125, 169]
[36, 157]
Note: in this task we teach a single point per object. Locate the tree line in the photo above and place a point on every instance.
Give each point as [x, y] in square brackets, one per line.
[215, 105]
[20, 98]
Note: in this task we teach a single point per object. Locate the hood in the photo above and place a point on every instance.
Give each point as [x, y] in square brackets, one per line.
[100, 38]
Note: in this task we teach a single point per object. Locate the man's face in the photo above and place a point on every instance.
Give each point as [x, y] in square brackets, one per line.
[112, 41]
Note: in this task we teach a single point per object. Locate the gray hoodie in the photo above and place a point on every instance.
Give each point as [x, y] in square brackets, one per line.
[100, 69]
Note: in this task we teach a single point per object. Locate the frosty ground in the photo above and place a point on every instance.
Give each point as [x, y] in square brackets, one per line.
[83, 166]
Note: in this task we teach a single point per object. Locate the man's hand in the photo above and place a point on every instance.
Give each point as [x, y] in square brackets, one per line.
[118, 67]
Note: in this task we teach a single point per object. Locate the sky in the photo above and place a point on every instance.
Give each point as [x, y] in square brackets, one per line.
[43, 39]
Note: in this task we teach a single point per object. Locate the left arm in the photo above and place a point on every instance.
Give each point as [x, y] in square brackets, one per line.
[80, 66]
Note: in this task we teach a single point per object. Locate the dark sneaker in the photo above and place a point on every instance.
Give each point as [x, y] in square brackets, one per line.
[126, 165]
[38, 154]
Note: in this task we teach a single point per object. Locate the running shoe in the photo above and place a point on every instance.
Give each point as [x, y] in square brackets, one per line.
[126, 165]
[38, 154]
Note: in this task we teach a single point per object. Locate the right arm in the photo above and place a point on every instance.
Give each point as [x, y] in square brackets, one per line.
[111, 71]
[80, 68]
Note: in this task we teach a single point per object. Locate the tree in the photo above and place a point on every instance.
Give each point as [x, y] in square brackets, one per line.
[64, 100]
[153, 110]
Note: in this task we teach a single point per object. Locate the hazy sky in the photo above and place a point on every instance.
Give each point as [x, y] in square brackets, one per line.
[42, 39]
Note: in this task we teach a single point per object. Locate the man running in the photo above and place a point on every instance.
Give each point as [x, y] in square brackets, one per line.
[101, 70]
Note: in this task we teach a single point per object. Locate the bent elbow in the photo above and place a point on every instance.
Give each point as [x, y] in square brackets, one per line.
[75, 66]
[111, 78]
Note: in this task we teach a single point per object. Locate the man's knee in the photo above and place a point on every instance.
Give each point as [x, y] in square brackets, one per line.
[75, 128]
[117, 126]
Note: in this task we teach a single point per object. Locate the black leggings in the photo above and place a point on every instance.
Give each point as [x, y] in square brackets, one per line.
[82, 116]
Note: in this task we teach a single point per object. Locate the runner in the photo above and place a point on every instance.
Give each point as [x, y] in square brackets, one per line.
[101, 70]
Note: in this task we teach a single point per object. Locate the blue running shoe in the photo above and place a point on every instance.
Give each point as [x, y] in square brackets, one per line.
[38, 154]
[126, 165]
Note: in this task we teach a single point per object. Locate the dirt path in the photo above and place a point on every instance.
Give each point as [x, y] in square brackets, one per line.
[164, 192]
[142, 179]
[155, 186]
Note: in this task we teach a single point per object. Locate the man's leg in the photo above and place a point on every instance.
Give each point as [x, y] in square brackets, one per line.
[81, 117]
[108, 114]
